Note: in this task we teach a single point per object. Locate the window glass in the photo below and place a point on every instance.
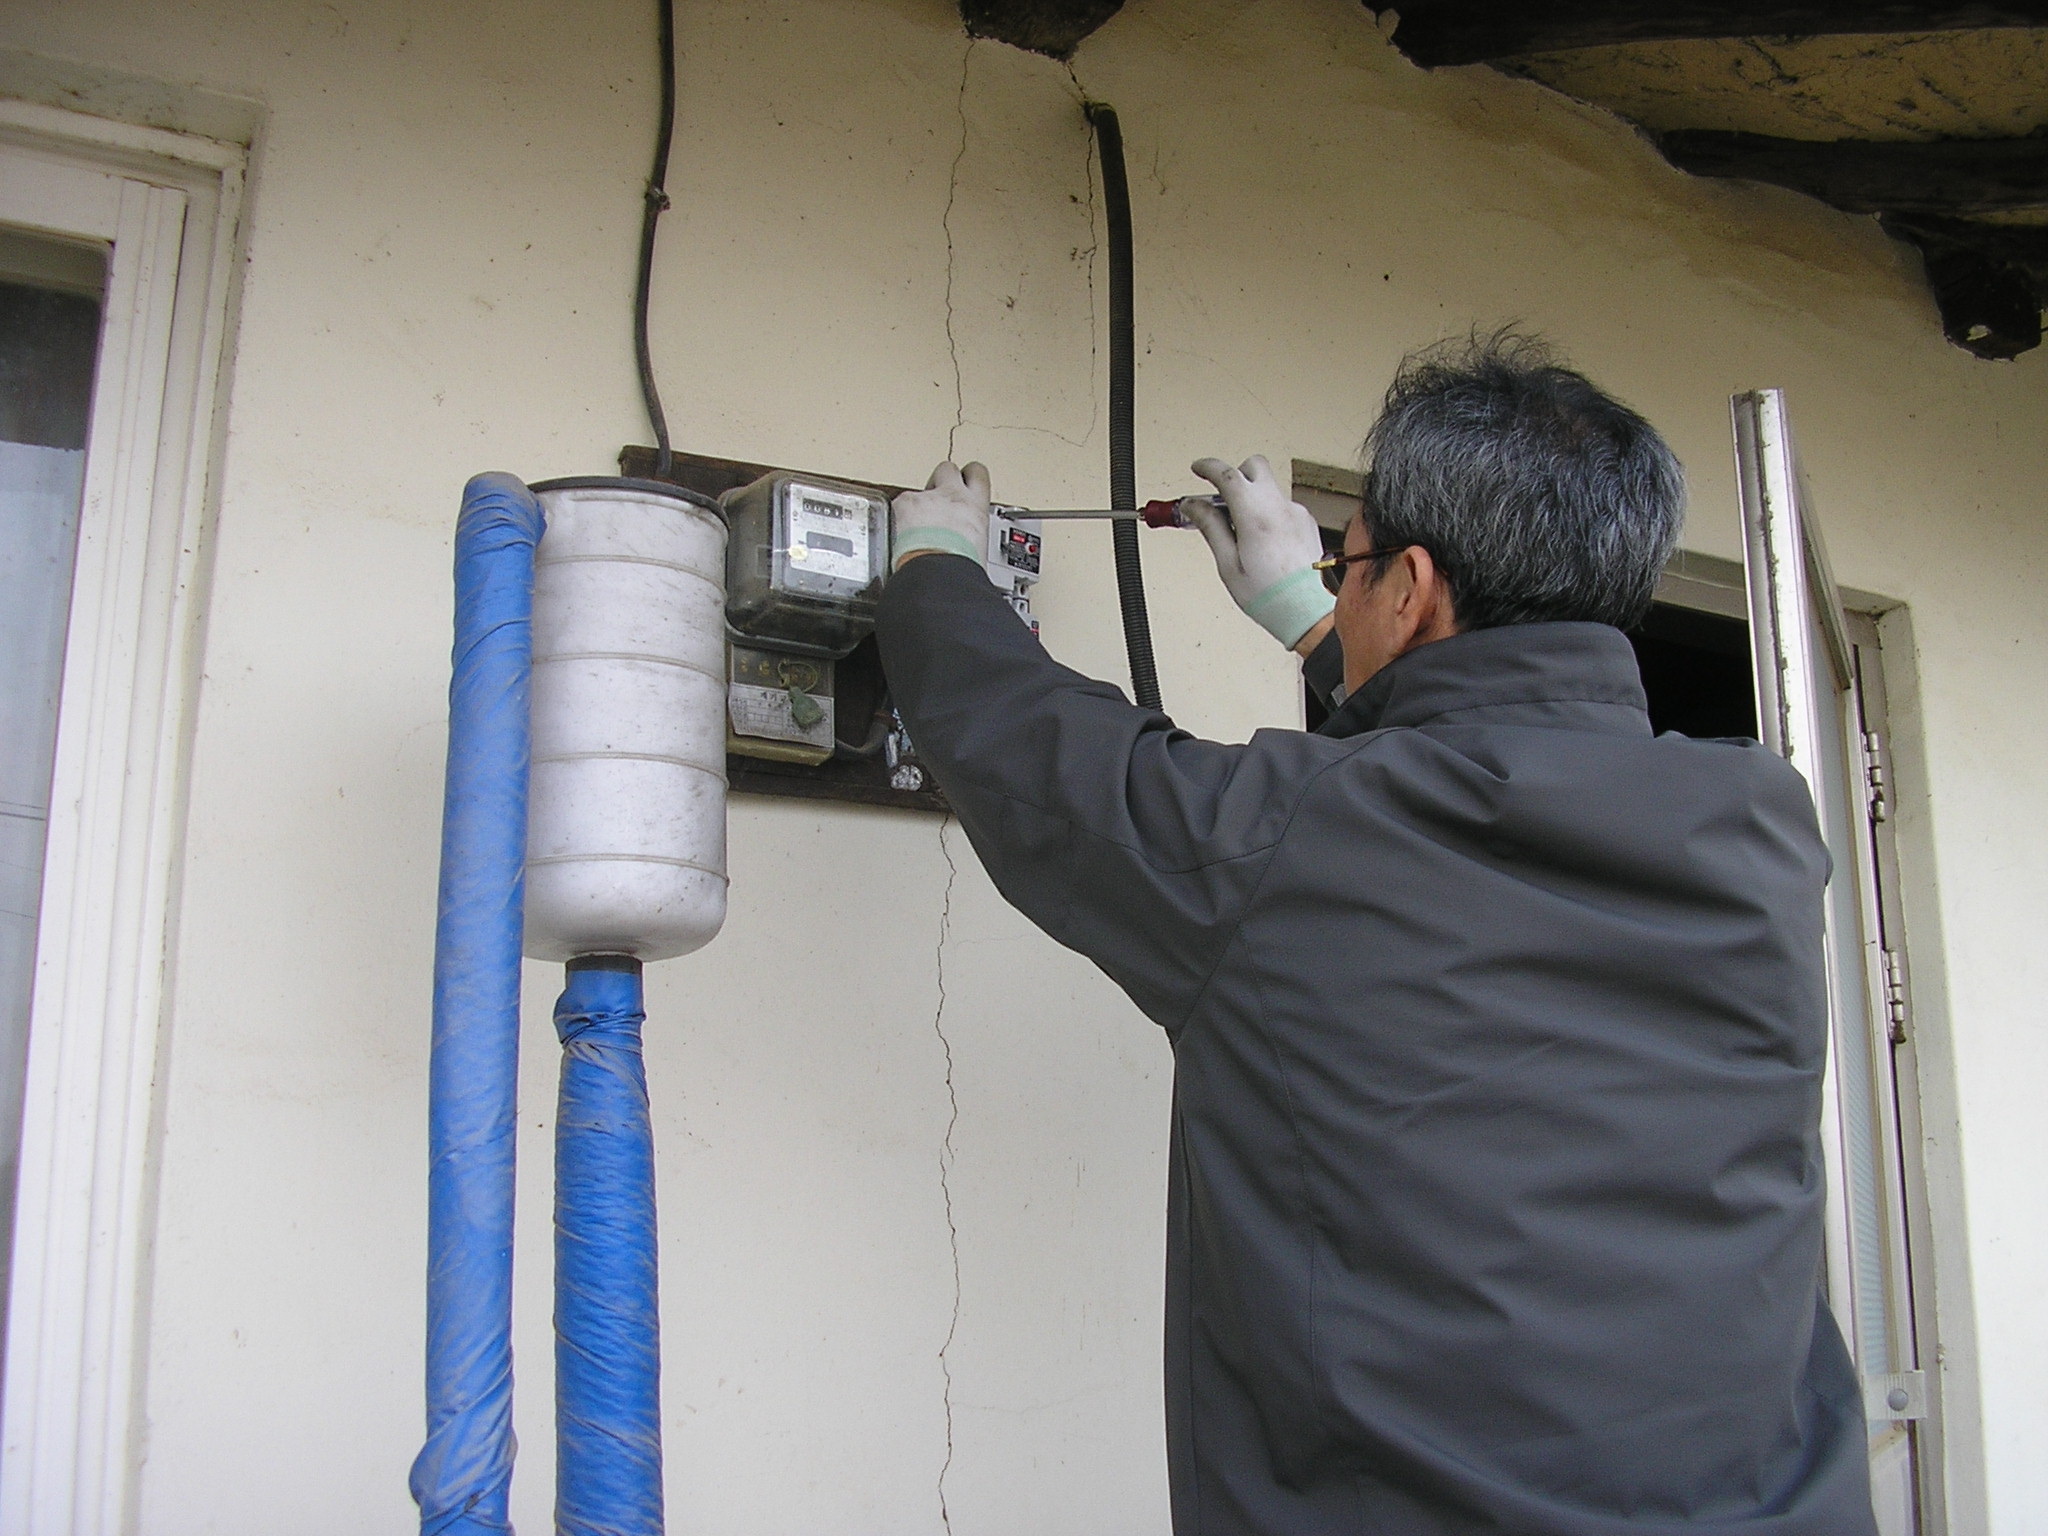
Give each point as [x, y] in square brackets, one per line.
[50, 293]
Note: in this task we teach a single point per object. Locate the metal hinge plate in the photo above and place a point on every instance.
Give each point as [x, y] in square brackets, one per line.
[1894, 997]
[1874, 776]
[1896, 1395]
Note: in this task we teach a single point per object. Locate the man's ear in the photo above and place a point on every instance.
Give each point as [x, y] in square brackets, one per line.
[1424, 612]
[1415, 572]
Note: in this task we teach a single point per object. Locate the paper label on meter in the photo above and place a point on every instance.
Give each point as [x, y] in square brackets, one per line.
[828, 534]
[769, 713]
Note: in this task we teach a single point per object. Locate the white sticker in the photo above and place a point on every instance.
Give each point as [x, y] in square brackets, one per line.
[767, 712]
[828, 533]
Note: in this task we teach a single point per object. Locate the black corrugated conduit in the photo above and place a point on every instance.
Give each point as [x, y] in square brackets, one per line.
[1123, 466]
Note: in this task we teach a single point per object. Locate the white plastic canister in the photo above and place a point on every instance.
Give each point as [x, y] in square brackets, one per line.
[625, 845]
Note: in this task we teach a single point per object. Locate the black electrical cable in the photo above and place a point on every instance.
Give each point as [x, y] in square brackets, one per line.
[656, 204]
[1123, 463]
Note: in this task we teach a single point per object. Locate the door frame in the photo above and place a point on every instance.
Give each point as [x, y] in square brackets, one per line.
[71, 1418]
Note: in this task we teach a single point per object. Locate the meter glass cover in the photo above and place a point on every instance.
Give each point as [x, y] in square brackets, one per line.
[805, 562]
[830, 537]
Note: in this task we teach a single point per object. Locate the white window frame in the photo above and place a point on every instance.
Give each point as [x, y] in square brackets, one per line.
[71, 1424]
[1931, 1324]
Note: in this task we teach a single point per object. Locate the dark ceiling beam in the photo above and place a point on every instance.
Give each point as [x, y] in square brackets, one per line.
[1989, 280]
[1434, 32]
[1989, 291]
[1052, 27]
[2019, 245]
[1942, 177]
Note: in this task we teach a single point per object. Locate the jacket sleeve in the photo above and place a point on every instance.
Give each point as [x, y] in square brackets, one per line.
[1124, 838]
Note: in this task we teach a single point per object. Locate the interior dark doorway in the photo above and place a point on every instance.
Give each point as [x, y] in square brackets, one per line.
[1696, 673]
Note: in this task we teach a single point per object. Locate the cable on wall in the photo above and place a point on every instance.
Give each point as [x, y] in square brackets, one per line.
[657, 203]
[1123, 471]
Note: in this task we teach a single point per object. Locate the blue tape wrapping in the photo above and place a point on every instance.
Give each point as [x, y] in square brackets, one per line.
[463, 1474]
[607, 1327]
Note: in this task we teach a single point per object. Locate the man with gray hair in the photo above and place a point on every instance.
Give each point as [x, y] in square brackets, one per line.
[1498, 1023]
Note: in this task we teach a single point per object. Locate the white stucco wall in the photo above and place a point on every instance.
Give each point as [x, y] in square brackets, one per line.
[883, 246]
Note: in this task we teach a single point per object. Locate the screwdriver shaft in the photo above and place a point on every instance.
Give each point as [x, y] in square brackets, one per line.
[1163, 513]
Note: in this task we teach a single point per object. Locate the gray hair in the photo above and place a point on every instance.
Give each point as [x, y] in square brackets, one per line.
[1539, 497]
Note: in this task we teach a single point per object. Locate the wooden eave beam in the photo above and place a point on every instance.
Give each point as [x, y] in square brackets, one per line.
[1434, 32]
[1052, 27]
[1989, 304]
[2018, 245]
[1954, 178]
[1989, 280]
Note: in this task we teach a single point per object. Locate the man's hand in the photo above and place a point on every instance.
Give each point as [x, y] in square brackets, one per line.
[949, 516]
[1265, 548]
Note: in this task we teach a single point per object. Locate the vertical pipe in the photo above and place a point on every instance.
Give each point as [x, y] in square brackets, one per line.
[463, 1474]
[1123, 468]
[607, 1327]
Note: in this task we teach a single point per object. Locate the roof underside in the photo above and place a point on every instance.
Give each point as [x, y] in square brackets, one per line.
[1934, 117]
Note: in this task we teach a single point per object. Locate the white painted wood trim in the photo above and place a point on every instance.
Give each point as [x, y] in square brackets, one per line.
[71, 1425]
[1788, 719]
[76, 131]
[45, 193]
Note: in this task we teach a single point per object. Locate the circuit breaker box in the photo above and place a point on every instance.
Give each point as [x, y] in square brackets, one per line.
[1016, 549]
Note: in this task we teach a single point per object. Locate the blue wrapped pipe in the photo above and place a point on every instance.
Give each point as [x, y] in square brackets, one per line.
[462, 1476]
[607, 1327]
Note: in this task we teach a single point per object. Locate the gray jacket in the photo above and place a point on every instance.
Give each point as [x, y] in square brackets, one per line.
[1498, 1028]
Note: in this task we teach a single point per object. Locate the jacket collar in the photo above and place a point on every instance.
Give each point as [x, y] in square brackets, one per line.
[1565, 676]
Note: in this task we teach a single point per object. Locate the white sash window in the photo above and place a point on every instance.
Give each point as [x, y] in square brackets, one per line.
[100, 612]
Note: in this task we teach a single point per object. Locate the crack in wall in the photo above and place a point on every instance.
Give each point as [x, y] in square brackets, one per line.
[1094, 246]
[1780, 75]
[946, 221]
[946, 1161]
[1088, 252]
[1947, 98]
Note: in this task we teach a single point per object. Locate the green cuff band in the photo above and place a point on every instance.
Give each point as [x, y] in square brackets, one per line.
[944, 540]
[1292, 606]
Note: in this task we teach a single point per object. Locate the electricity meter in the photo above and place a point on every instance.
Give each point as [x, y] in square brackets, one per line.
[805, 562]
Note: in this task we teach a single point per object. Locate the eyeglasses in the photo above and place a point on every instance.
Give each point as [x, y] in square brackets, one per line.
[1332, 566]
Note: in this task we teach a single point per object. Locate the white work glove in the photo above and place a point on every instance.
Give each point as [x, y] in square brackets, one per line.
[950, 514]
[1265, 547]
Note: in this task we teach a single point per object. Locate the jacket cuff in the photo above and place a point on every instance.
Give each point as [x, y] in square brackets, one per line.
[944, 541]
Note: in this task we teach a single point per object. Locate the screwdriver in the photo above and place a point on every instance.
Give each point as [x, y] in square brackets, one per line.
[1154, 514]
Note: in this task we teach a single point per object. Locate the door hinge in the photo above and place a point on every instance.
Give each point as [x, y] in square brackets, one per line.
[1895, 1395]
[1873, 776]
[1894, 997]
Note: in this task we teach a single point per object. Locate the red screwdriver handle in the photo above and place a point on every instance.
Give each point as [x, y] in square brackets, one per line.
[1162, 514]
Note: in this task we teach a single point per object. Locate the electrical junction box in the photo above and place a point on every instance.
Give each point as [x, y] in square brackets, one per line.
[780, 706]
